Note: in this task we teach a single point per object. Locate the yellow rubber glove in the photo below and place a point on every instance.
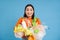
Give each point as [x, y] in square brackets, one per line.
[19, 29]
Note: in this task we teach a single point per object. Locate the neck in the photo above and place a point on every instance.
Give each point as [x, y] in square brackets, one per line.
[29, 17]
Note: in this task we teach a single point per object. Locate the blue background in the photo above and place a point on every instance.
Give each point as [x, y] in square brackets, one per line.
[47, 10]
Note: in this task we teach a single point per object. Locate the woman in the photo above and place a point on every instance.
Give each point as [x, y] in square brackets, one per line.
[31, 23]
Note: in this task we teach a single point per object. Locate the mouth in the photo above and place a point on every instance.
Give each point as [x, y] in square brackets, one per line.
[29, 13]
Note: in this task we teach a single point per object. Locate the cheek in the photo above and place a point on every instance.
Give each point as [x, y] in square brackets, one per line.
[31, 12]
[27, 12]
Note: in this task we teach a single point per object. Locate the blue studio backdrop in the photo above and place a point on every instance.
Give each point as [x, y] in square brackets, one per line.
[47, 10]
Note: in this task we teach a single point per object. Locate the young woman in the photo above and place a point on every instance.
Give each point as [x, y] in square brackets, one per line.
[29, 21]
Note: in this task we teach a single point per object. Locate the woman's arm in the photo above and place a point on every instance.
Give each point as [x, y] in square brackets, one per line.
[19, 21]
[18, 34]
[38, 21]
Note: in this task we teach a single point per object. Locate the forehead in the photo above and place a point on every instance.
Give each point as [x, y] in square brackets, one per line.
[29, 7]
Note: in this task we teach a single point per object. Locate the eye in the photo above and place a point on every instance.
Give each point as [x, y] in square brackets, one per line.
[27, 9]
[30, 9]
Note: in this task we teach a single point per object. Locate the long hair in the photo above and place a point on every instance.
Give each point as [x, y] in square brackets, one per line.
[25, 10]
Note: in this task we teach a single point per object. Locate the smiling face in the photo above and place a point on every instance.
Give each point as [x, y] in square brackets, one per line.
[29, 11]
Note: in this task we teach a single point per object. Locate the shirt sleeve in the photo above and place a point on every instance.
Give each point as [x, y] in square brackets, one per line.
[19, 21]
[38, 21]
[16, 26]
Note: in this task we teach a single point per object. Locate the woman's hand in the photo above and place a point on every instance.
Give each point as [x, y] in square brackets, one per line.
[19, 34]
[41, 33]
[40, 27]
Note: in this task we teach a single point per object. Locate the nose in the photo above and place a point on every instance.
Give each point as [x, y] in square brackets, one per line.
[29, 11]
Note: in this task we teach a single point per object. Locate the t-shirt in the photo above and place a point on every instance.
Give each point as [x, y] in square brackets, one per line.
[32, 22]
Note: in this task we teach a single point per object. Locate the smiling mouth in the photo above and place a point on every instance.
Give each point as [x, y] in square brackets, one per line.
[29, 13]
